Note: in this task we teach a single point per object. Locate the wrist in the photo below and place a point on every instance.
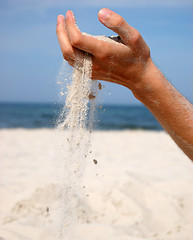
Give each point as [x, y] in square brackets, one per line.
[150, 84]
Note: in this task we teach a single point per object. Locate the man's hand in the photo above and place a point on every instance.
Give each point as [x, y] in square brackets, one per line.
[129, 64]
[125, 63]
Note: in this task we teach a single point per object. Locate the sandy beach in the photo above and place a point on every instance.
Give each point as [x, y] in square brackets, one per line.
[140, 189]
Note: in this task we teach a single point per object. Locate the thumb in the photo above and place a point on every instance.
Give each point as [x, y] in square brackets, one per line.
[116, 23]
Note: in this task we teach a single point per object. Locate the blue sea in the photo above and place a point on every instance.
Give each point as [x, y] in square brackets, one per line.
[109, 117]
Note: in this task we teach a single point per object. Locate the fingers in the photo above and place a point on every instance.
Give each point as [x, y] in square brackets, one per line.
[116, 23]
[86, 43]
[72, 40]
[65, 45]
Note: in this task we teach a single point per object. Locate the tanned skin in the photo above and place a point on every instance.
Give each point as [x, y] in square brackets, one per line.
[129, 64]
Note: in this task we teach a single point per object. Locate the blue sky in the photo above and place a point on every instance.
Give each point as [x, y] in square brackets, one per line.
[30, 57]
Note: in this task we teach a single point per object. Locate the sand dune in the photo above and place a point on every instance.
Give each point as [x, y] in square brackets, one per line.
[140, 188]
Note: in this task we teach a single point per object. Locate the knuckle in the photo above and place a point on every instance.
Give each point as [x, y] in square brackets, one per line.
[119, 21]
[58, 29]
[76, 40]
[67, 53]
[104, 54]
[148, 53]
[136, 38]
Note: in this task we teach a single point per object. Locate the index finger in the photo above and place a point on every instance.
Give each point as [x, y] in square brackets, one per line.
[87, 42]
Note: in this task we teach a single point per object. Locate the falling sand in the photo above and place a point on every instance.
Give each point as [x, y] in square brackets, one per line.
[77, 119]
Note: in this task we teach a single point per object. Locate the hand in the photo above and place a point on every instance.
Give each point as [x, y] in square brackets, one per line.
[125, 63]
[129, 64]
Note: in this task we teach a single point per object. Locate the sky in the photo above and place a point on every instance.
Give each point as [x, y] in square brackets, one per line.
[30, 56]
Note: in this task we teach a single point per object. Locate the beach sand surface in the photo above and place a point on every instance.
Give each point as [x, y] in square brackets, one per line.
[140, 189]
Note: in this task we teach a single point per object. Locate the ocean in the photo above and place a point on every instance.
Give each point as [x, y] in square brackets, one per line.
[109, 117]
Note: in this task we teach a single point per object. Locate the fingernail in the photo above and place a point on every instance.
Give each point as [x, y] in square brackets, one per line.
[104, 14]
[60, 19]
[69, 14]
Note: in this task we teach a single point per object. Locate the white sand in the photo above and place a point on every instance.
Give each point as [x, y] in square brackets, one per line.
[141, 188]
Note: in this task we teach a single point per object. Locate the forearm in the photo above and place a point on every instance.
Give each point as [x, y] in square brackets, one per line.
[172, 110]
